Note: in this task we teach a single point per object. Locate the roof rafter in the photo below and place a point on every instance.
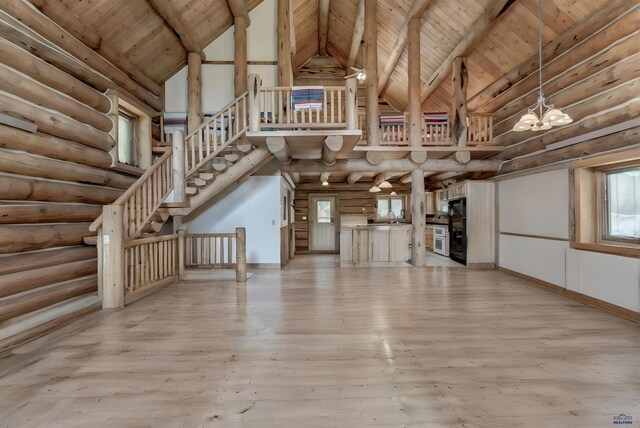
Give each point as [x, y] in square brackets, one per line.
[165, 9]
[323, 26]
[466, 45]
[416, 11]
[356, 40]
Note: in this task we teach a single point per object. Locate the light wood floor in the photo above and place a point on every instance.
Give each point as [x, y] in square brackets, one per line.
[318, 346]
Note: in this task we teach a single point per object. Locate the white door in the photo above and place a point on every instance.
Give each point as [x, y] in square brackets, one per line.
[323, 225]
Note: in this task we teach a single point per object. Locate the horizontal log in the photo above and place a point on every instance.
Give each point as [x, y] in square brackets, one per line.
[51, 76]
[43, 258]
[55, 123]
[607, 15]
[615, 65]
[17, 238]
[53, 147]
[607, 143]
[48, 29]
[389, 165]
[48, 213]
[522, 145]
[38, 166]
[29, 280]
[20, 189]
[23, 304]
[35, 92]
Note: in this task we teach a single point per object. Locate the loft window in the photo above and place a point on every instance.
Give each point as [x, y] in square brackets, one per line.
[620, 205]
[127, 138]
[390, 207]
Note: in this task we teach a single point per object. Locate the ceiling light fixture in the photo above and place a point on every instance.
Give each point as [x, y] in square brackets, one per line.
[359, 74]
[375, 189]
[385, 185]
[325, 183]
[393, 193]
[536, 119]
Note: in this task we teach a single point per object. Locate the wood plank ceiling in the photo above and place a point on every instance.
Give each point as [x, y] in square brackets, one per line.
[512, 40]
[139, 33]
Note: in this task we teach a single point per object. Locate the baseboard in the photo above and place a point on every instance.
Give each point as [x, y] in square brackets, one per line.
[481, 266]
[263, 265]
[625, 313]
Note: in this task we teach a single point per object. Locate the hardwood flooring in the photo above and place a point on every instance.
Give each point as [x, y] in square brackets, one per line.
[318, 346]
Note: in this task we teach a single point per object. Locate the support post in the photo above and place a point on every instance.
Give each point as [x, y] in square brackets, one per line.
[285, 74]
[194, 83]
[241, 254]
[181, 248]
[255, 82]
[240, 55]
[419, 255]
[371, 49]
[113, 257]
[415, 108]
[179, 179]
[351, 92]
[460, 82]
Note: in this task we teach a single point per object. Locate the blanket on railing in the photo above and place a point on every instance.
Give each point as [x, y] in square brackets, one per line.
[307, 98]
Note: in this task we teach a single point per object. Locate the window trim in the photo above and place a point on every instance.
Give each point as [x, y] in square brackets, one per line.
[587, 209]
[602, 200]
[390, 197]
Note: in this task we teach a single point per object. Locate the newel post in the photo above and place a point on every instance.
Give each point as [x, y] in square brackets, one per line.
[241, 254]
[181, 254]
[255, 83]
[179, 173]
[113, 257]
[351, 92]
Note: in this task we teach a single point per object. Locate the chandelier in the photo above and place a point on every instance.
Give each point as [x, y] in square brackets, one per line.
[542, 116]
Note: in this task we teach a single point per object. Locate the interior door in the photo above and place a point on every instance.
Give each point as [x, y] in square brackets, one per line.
[323, 224]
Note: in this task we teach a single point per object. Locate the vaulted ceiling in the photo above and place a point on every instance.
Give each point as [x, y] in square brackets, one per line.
[511, 40]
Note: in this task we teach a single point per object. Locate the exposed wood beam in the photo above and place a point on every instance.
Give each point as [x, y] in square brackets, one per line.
[354, 177]
[416, 11]
[323, 26]
[240, 81]
[194, 91]
[418, 211]
[466, 45]
[356, 39]
[324, 177]
[389, 165]
[460, 82]
[278, 146]
[416, 120]
[332, 146]
[295, 177]
[371, 46]
[165, 9]
[285, 76]
[239, 10]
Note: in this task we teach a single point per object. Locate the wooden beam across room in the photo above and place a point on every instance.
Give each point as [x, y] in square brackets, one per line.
[417, 10]
[356, 39]
[474, 35]
[172, 17]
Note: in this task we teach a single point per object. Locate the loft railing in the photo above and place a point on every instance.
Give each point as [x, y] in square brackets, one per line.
[215, 134]
[438, 133]
[272, 108]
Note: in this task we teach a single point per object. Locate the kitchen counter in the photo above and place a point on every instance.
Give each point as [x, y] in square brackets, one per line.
[381, 242]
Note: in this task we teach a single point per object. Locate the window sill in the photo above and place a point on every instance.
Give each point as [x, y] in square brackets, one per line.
[129, 169]
[618, 250]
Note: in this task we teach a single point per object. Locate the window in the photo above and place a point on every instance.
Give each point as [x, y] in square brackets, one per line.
[323, 210]
[127, 139]
[620, 200]
[390, 207]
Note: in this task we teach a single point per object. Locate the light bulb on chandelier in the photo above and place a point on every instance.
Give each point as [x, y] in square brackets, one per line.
[537, 118]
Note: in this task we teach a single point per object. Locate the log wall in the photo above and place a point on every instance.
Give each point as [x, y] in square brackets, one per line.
[53, 182]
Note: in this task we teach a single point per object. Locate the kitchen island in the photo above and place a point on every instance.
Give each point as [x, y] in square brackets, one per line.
[375, 244]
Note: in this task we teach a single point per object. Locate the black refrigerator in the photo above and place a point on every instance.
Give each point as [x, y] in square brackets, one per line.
[458, 230]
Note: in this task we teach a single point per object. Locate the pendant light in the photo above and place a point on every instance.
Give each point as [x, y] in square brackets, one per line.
[537, 119]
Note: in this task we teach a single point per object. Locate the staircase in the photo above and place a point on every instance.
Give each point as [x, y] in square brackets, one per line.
[214, 156]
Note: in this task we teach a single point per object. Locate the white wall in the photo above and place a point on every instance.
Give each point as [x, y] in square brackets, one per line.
[217, 80]
[538, 205]
[254, 205]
